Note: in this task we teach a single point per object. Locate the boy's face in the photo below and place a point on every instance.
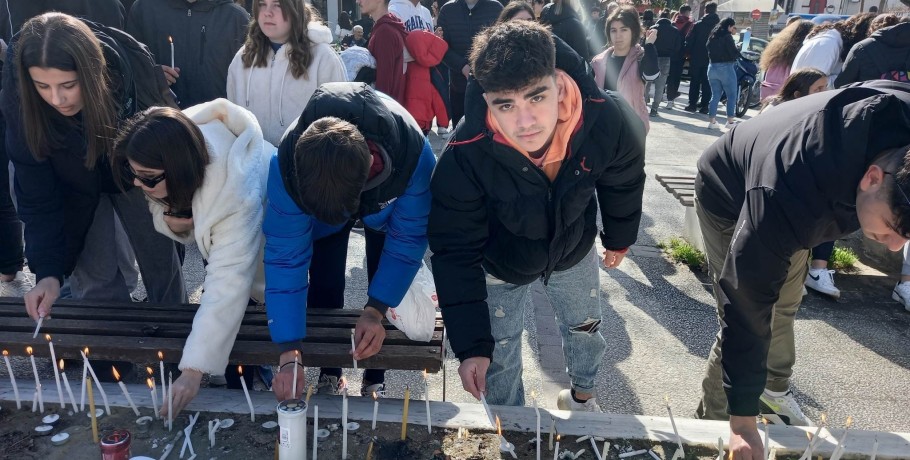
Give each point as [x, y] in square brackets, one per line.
[528, 116]
[874, 212]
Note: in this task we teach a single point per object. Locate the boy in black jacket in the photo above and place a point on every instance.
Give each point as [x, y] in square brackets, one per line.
[820, 169]
[514, 202]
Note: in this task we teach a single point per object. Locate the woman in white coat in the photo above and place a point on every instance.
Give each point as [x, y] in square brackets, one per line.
[204, 173]
[287, 55]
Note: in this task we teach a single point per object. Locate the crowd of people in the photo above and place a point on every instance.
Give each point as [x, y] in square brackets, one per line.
[181, 122]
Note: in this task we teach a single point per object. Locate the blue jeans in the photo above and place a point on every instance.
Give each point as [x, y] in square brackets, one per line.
[575, 296]
[722, 77]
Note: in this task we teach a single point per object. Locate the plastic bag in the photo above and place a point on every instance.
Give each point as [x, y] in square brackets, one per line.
[416, 314]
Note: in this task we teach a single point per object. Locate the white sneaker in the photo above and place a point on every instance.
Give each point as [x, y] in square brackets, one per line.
[17, 287]
[822, 280]
[783, 409]
[565, 402]
[731, 124]
[669, 105]
[331, 385]
[442, 130]
[368, 390]
[901, 293]
[713, 125]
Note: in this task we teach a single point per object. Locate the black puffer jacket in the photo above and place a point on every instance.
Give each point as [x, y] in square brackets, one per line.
[207, 35]
[568, 27]
[495, 211]
[459, 26]
[722, 48]
[885, 55]
[697, 41]
[790, 181]
[669, 40]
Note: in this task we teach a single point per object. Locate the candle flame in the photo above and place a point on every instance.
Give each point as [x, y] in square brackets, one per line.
[824, 419]
[150, 371]
[28, 350]
[85, 351]
[424, 374]
[240, 370]
[48, 337]
[5, 353]
[498, 426]
[667, 399]
[60, 364]
[557, 437]
[730, 455]
[808, 436]
[148, 382]
[160, 356]
[116, 374]
[764, 420]
[169, 39]
[296, 356]
[849, 422]
[375, 398]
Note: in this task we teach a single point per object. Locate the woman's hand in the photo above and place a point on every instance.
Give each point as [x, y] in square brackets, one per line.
[184, 390]
[178, 225]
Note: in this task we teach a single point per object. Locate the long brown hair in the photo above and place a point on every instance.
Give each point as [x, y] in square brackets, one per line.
[60, 41]
[796, 86]
[164, 138]
[784, 46]
[257, 46]
[852, 30]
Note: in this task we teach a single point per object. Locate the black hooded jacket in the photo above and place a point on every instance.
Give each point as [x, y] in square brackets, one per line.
[790, 182]
[206, 34]
[567, 26]
[669, 40]
[495, 211]
[459, 26]
[697, 40]
[884, 55]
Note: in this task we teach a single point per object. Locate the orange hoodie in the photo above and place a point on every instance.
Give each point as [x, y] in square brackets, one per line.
[569, 122]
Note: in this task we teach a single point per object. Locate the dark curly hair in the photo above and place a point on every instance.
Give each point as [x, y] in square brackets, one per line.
[851, 30]
[898, 192]
[512, 55]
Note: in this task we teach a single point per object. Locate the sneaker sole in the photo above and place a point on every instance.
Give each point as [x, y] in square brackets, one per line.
[833, 296]
[900, 300]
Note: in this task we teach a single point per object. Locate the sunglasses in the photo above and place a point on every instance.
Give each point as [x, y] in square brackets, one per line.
[148, 182]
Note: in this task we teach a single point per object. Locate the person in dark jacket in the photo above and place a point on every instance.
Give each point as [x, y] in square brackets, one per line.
[669, 44]
[514, 202]
[206, 35]
[884, 55]
[562, 17]
[723, 53]
[461, 20]
[697, 48]
[387, 46]
[817, 170]
[62, 111]
[353, 154]
[684, 25]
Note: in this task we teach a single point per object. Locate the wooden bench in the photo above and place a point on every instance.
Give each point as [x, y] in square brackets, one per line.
[137, 331]
[683, 189]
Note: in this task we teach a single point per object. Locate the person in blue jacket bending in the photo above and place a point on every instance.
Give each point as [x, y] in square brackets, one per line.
[354, 153]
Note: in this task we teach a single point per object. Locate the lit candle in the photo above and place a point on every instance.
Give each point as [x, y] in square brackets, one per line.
[839, 449]
[426, 394]
[375, 408]
[170, 401]
[126, 392]
[813, 439]
[315, 429]
[171, 41]
[163, 384]
[12, 379]
[69, 390]
[38, 327]
[91, 407]
[107, 408]
[84, 376]
[537, 439]
[504, 446]
[486, 407]
[767, 451]
[556, 452]
[50, 344]
[404, 413]
[294, 382]
[344, 424]
[151, 385]
[247, 394]
[37, 380]
[353, 348]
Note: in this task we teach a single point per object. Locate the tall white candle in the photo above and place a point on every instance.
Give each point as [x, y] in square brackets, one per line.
[673, 423]
[767, 451]
[50, 344]
[107, 407]
[163, 383]
[315, 429]
[344, 424]
[151, 385]
[353, 348]
[82, 382]
[37, 380]
[247, 394]
[375, 408]
[171, 40]
[69, 390]
[38, 327]
[537, 440]
[12, 379]
[40, 398]
[170, 401]
[874, 450]
[126, 393]
[556, 452]
[35, 401]
[294, 382]
[426, 397]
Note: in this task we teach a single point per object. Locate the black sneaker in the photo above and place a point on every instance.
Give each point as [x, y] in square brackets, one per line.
[653, 113]
[703, 110]
[690, 108]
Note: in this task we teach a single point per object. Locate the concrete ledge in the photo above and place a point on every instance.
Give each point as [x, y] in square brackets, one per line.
[785, 439]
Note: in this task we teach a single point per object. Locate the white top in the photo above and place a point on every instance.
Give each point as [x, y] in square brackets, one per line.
[274, 96]
[413, 17]
[227, 219]
[823, 53]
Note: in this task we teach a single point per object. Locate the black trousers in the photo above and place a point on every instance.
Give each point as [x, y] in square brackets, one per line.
[673, 80]
[698, 82]
[327, 278]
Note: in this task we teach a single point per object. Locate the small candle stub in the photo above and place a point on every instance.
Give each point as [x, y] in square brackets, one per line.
[271, 425]
[322, 433]
[60, 439]
[50, 419]
[226, 423]
[98, 413]
[43, 430]
[353, 426]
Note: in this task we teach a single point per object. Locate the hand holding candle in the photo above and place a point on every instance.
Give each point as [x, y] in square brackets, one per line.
[12, 379]
[171, 41]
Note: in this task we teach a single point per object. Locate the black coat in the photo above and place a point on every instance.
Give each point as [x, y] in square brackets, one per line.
[14, 13]
[568, 27]
[697, 41]
[495, 211]
[722, 48]
[207, 35]
[459, 26]
[669, 40]
[57, 196]
[789, 181]
[886, 54]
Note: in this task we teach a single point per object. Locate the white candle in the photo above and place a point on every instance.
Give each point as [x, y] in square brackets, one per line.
[839, 449]
[603, 454]
[552, 430]
[720, 448]
[170, 401]
[151, 385]
[767, 451]
[37, 380]
[594, 448]
[38, 327]
[294, 382]
[35, 401]
[537, 438]
[315, 429]
[12, 379]
[874, 450]
[126, 392]
[50, 344]
[375, 408]
[41, 398]
[171, 40]
[69, 390]
[84, 376]
[673, 423]
[344, 424]
[486, 407]
[808, 453]
[353, 348]
[556, 452]
[426, 395]
[247, 394]
[107, 408]
[163, 384]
